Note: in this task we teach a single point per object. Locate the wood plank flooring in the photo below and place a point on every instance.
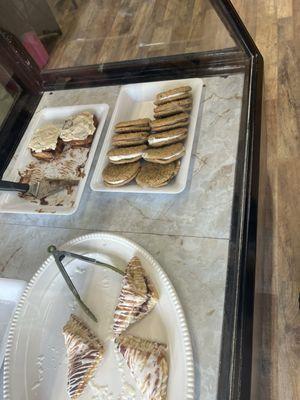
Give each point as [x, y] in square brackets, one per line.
[166, 26]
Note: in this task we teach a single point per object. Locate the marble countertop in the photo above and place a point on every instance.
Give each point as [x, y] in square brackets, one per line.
[187, 233]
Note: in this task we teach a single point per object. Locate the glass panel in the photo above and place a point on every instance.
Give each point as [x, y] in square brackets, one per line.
[9, 92]
[72, 33]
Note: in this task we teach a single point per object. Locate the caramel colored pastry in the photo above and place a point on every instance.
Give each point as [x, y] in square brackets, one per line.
[123, 155]
[137, 297]
[45, 143]
[130, 139]
[173, 122]
[157, 175]
[167, 137]
[164, 155]
[182, 92]
[84, 352]
[136, 125]
[79, 129]
[115, 175]
[173, 107]
[147, 362]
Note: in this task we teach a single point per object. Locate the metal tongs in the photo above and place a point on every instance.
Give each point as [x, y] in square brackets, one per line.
[59, 255]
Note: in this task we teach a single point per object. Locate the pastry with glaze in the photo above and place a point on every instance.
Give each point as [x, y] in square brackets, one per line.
[84, 352]
[137, 297]
[45, 143]
[79, 129]
[147, 362]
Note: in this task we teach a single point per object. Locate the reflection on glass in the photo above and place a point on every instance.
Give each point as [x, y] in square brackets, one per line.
[9, 92]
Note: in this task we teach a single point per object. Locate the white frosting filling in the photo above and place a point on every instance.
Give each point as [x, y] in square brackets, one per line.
[172, 95]
[78, 127]
[44, 138]
[158, 140]
[124, 157]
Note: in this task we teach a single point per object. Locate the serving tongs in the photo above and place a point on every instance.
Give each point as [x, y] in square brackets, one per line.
[59, 255]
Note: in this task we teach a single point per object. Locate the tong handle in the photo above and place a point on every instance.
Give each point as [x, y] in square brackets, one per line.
[13, 186]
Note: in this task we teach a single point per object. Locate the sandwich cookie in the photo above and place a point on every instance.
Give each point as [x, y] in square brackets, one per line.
[174, 107]
[115, 175]
[157, 175]
[129, 139]
[167, 137]
[123, 155]
[79, 129]
[182, 92]
[165, 124]
[136, 125]
[164, 155]
[45, 143]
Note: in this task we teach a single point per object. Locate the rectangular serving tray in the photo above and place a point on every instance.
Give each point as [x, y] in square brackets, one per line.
[136, 101]
[68, 203]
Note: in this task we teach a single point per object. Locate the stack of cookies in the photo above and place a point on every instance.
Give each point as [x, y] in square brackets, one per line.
[157, 142]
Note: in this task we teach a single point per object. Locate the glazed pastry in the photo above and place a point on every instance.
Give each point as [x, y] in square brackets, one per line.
[79, 129]
[157, 175]
[115, 175]
[137, 297]
[173, 107]
[165, 124]
[129, 139]
[147, 363]
[167, 137]
[182, 92]
[45, 143]
[84, 352]
[123, 155]
[136, 125]
[164, 155]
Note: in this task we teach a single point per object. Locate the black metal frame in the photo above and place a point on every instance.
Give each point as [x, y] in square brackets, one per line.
[236, 351]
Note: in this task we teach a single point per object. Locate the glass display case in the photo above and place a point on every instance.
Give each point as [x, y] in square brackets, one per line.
[60, 53]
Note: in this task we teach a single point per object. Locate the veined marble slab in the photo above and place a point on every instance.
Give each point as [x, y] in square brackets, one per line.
[202, 210]
[197, 268]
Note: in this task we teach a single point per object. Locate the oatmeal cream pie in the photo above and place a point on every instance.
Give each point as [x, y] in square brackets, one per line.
[79, 129]
[167, 137]
[136, 125]
[45, 143]
[123, 155]
[148, 365]
[84, 352]
[173, 122]
[182, 92]
[137, 297]
[157, 175]
[115, 175]
[164, 155]
[173, 107]
[129, 139]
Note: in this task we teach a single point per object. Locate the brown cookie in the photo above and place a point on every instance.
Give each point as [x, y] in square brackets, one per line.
[174, 107]
[175, 121]
[167, 137]
[115, 175]
[135, 122]
[157, 175]
[181, 92]
[123, 155]
[129, 139]
[164, 155]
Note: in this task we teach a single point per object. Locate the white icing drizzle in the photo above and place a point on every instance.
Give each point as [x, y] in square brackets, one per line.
[78, 127]
[44, 138]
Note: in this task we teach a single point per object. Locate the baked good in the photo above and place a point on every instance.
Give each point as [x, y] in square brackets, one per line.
[136, 125]
[167, 137]
[173, 107]
[129, 139]
[137, 297]
[45, 143]
[84, 352]
[182, 92]
[167, 123]
[79, 129]
[148, 365]
[115, 175]
[122, 155]
[164, 155]
[157, 175]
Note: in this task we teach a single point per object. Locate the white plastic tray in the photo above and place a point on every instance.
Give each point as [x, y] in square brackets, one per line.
[61, 203]
[136, 101]
[35, 364]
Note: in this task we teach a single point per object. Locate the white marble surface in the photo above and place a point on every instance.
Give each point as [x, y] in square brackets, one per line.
[187, 233]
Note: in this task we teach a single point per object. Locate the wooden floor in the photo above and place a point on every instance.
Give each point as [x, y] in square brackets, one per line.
[275, 26]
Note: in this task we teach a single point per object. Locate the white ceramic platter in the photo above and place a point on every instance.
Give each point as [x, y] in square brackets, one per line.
[136, 101]
[35, 363]
[66, 166]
